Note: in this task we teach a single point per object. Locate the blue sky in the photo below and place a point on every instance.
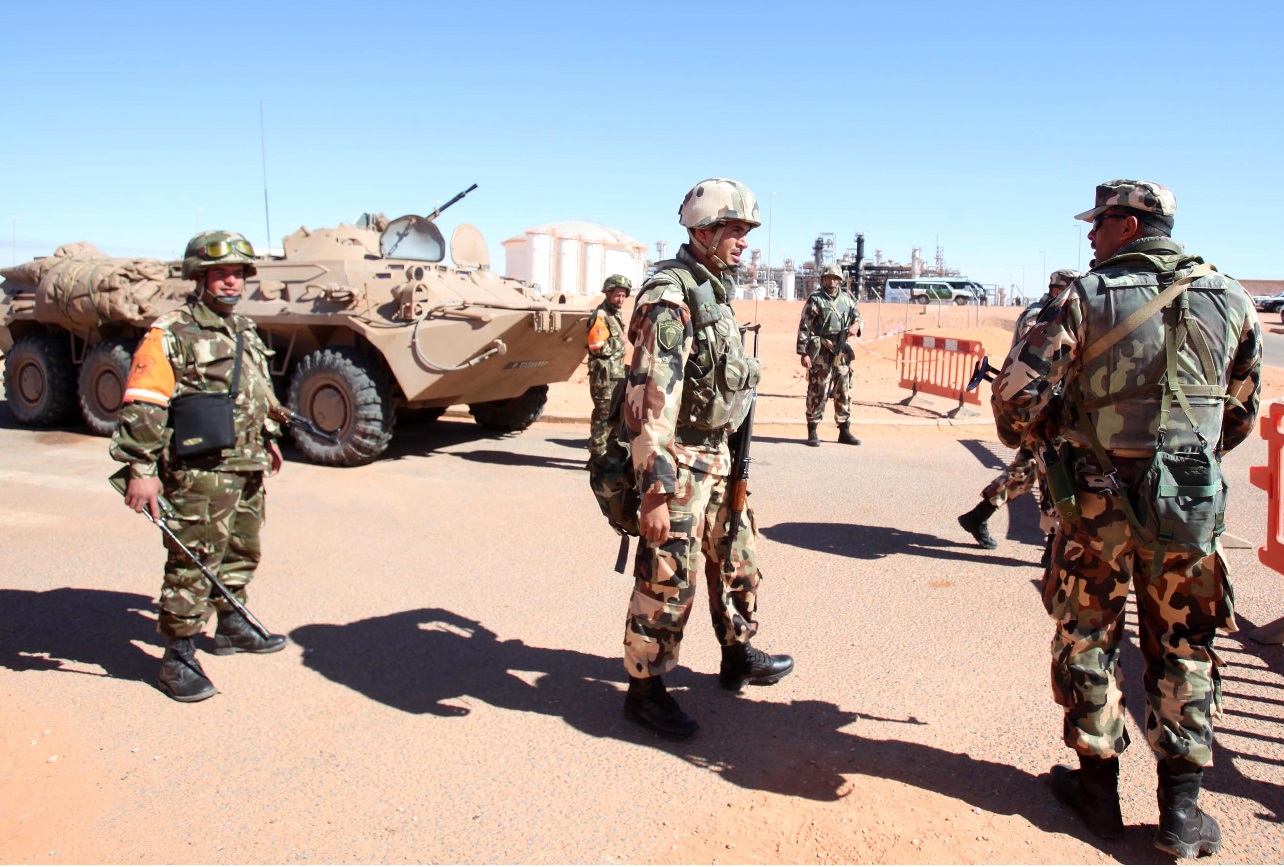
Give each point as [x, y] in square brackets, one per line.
[983, 125]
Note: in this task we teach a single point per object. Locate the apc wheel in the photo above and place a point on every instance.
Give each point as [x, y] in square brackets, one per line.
[345, 392]
[960, 301]
[103, 375]
[920, 299]
[40, 380]
[514, 414]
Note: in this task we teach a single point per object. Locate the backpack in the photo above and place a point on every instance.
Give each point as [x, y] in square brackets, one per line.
[1177, 503]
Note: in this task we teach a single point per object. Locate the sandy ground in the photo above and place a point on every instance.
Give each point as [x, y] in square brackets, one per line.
[451, 691]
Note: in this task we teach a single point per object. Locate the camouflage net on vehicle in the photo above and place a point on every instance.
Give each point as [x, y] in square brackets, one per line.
[79, 286]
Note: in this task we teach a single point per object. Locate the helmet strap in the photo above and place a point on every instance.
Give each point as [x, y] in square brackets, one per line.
[708, 252]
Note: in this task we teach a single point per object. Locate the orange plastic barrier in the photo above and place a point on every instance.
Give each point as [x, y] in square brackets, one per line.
[1268, 479]
[939, 365]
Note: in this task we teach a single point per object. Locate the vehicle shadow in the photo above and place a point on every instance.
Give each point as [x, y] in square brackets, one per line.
[420, 438]
[432, 661]
[512, 459]
[866, 542]
[69, 628]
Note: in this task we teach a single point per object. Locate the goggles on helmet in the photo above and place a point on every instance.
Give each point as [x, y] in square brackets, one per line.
[219, 249]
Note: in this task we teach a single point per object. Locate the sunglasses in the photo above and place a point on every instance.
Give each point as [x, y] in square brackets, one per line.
[219, 249]
[1101, 218]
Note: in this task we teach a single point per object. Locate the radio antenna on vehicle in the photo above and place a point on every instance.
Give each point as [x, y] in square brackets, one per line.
[267, 218]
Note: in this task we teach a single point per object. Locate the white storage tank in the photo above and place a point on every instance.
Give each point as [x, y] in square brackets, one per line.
[573, 257]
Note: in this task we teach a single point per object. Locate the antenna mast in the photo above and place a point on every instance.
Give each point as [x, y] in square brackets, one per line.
[267, 218]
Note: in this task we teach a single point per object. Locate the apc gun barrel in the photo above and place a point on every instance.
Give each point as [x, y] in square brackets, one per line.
[437, 213]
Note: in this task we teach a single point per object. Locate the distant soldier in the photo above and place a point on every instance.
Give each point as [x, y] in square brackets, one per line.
[1022, 473]
[1159, 359]
[830, 319]
[217, 497]
[689, 386]
[606, 357]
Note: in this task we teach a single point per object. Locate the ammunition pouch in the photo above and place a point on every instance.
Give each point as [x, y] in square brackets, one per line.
[204, 423]
[1180, 502]
[1058, 467]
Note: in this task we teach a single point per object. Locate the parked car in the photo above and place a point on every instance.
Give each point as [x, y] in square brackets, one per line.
[1269, 303]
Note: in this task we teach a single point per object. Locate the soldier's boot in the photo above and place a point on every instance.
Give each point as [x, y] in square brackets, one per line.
[845, 435]
[744, 662]
[649, 704]
[181, 676]
[236, 635]
[1185, 831]
[974, 523]
[813, 438]
[1093, 791]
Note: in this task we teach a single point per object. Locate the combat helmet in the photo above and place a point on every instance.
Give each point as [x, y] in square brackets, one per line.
[710, 204]
[211, 249]
[620, 281]
[716, 200]
[833, 269]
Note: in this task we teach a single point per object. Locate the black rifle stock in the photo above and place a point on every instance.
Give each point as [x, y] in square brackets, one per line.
[738, 489]
[120, 480]
[289, 417]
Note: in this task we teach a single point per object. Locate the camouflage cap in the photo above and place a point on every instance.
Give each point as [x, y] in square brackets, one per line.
[618, 280]
[211, 249]
[1137, 195]
[717, 200]
[831, 270]
[1063, 278]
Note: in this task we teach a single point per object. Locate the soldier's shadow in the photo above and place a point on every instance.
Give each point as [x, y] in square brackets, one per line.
[70, 628]
[866, 542]
[432, 661]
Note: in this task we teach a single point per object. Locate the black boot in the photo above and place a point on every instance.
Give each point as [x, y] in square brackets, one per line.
[236, 635]
[813, 438]
[845, 435]
[744, 662]
[974, 523]
[1184, 830]
[649, 704]
[181, 676]
[1093, 792]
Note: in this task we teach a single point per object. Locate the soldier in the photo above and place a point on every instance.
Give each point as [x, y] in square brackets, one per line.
[1123, 361]
[217, 497]
[688, 386]
[606, 357]
[1021, 474]
[830, 319]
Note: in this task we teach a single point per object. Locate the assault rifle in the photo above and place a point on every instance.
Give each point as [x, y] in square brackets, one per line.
[437, 213]
[287, 416]
[738, 488]
[120, 481]
[838, 354]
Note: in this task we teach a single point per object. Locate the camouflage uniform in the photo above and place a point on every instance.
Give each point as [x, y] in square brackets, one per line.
[676, 453]
[826, 318]
[606, 369]
[218, 500]
[1095, 560]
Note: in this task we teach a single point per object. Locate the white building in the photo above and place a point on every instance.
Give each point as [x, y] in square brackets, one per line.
[573, 257]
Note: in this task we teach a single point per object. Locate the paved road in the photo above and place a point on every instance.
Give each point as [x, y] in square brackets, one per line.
[453, 685]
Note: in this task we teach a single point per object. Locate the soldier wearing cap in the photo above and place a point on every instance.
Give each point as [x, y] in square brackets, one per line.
[1159, 357]
[1021, 474]
[217, 497]
[689, 385]
[606, 357]
[830, 319]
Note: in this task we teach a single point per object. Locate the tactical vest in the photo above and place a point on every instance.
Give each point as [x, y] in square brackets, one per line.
[836, 315]
[1120, 392]
[718, 380]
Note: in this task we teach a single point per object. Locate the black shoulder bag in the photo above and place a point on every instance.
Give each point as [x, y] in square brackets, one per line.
[203, 422]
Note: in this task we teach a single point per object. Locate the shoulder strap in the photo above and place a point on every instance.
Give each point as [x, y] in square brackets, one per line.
[236, 365]
[1133, 322]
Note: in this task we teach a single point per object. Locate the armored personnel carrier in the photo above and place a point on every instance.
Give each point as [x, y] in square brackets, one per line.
[362, 320]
